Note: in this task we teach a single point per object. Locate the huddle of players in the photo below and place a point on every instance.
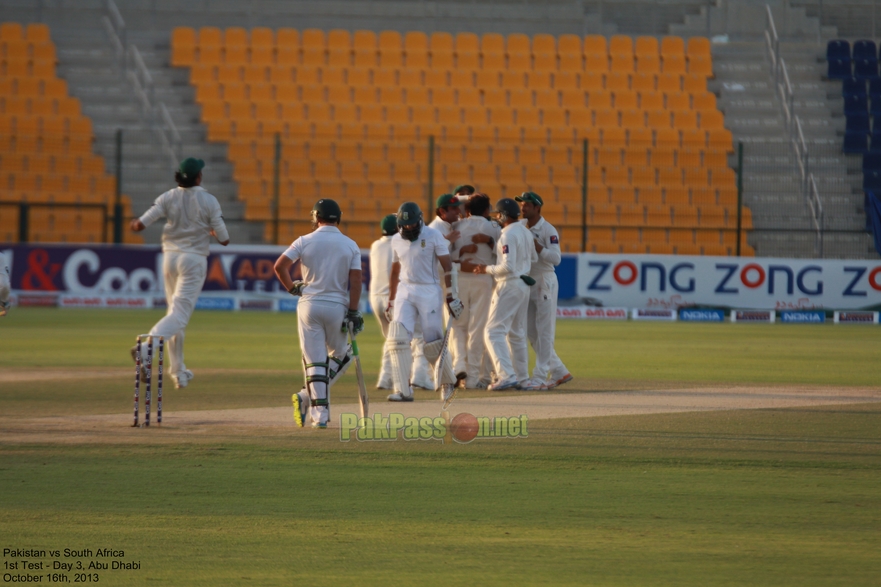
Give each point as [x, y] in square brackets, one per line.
[507, 281]
[506, 294]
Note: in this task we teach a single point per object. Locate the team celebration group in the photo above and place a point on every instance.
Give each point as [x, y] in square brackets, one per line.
[458, 299]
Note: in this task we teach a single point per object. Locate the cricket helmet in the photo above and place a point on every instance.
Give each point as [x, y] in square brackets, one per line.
[509, 208]
[409, 220]
[326, 210]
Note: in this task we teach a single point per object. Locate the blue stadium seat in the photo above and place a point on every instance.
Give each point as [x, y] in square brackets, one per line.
[865, 49]
[853, 87]
[838, 49]
[865, 68]
[856, 104]
[839, 69]
[872, 181]
[871, 162]
[876, 143]
[856, 142]
[858, 123]
[875, 107]
[875, 87]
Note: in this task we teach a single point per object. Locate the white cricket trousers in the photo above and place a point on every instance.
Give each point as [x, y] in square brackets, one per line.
[506, 329]
[184, 275]
[423, 304]
[467, 334]
[379, 304]
[541, 328]
[319, 324]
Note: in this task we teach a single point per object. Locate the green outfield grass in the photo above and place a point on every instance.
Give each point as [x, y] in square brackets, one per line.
[748, 497]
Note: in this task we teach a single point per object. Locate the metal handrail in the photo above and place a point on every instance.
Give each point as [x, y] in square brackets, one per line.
[783, 88]
[816, 206]
[115, 26]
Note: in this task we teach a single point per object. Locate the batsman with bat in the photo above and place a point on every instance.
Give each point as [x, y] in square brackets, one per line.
[415, 294]
[328, 308]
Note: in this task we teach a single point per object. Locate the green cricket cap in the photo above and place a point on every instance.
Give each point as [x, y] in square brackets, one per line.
[389, 225]
[448, 200]
[190, 167]
[531, 197]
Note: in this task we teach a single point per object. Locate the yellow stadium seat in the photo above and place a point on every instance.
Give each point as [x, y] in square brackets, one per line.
[678, 101]
[657, 119]
[670, 82]
[650, 195]
[695, 177]
[698, 46]
[704, 101]
[711, 119]
[673, 64]
[635, 156]
[640, 137]
[538, 79]
[487, 79]
[573, 99]
[513, 79]
[600, 100]
[632, 118]
[694, 137]
[650, 64]
[712, 217]
[694, 84]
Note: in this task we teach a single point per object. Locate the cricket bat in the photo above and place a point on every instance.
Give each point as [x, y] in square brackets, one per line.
[362, 390]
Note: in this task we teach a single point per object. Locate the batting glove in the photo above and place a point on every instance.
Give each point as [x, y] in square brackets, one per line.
[354, 318]
[455, 306]
[390, 311]
[297, 288]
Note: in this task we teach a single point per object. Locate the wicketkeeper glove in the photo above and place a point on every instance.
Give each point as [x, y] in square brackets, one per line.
[390, 311]
[297, 288]
[456, 306]
[527, 280]
[354, 318]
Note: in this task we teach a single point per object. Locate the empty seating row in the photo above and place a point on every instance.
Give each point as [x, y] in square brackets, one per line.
[44, 163]
[34, 32]
[454, 77]
[366, 48]
[225, 130]
[17, 105]
[455, 115]
[22, 181]
[637, 155]
[33, 87]
[262, 93]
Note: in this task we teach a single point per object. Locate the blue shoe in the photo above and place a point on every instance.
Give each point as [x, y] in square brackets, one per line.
[299, 416]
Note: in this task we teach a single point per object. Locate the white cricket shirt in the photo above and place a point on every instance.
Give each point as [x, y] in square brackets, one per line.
[515, 253]
[472, 226]
[418, 258]
[380, 266]
[190, 213]
[326, 256]
[550, 255]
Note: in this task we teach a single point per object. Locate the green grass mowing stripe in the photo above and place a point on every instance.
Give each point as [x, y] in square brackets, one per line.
[229, 511]
[724, 353]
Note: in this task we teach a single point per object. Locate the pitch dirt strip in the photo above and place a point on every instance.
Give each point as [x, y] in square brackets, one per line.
[541, 406]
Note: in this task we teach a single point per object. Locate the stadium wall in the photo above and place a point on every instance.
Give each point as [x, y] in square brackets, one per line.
[242, 277]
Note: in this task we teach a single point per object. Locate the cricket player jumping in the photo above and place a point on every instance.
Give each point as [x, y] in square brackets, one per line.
[415, 294]
[330, 263]
[192, 216]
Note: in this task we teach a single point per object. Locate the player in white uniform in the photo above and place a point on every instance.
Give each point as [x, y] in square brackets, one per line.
[380, 272]
[541, 321]
[414, 295]
[506, 326]
[448, 210]
[476, 244]
[4, 285]
[330, 263]
[192, 217]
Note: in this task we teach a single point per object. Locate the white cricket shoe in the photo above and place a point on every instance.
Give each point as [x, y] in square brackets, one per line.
[509, 383]
[399, 397]
[183, 379]
[533, 384]
[564, 379]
